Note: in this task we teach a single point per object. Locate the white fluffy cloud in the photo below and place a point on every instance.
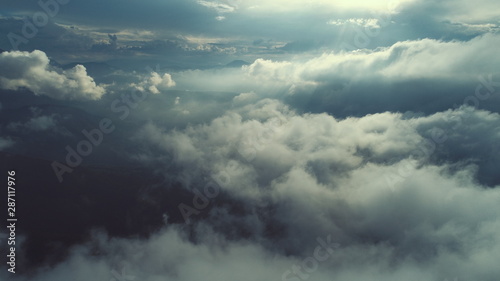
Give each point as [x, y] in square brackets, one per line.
[383, 185]
[269, 139]
[368, 23]
[31, 70]
[155, 83]
[425, 58]
[404, 61]
[281, 6]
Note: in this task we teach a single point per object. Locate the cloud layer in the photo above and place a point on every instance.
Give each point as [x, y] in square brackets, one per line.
[398, 194]
[262, 140]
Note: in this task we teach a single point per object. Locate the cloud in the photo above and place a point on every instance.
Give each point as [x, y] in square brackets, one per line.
[409, 59]
[32, 71]
[292, 23]
[344, 145]
[361, 82]
[155, 83]
[292, 6]
[466, 12]
[58, 41]
[219, 7]
[40, 123]
[37, 123]
[245, 98]
[301, 28]
[322, 175]
[368, 23]
[5, 143]
[404, 194]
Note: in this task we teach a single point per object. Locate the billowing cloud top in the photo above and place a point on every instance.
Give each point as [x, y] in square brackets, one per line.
[32, 71]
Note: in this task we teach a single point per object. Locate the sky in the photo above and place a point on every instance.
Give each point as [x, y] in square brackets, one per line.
[251, 140]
